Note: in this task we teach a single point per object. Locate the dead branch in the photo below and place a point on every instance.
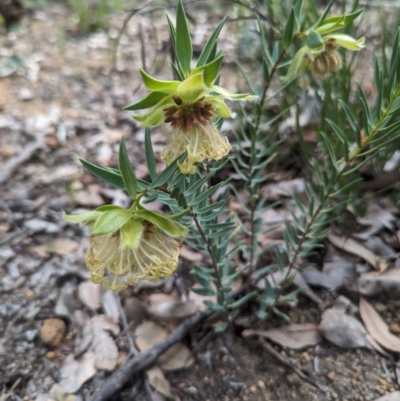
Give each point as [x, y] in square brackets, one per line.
[29, 150]
[268, 347]
[143, 360]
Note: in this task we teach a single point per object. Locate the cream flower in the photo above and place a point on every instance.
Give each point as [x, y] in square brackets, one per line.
[118, 265]
[130, 245]
[190, 107]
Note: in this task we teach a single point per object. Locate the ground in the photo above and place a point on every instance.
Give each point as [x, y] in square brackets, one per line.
[61, 99]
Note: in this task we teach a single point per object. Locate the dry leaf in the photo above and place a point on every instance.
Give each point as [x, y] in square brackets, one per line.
[376, 218]
[75, 373]
[166, 308]
[390, 397]
[377, 327]
[158, 381]
[176, 357]
[191, 256]
[96, 337]
[353, 247]
[89, 294]
[199, 299]
[134, 310]
[110, 304]
[342, 329]
[387, 282]
[294, 336]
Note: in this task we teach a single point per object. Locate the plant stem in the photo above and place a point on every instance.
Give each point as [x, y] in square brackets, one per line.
[254, 149]
[364, 143]
[214, 263]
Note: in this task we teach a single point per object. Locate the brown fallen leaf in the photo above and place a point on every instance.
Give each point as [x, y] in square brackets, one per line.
[89, 294]
[387, 282]
[176, 357]
[353, 247]
[96, 338]
[390, 397]
[166, 308]
[159, 382]
[294, 336]
[377, 327]
[342, 329]
[75, 373]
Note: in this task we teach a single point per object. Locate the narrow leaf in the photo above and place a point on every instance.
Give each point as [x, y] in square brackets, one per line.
[183, 43]
[150, 160]
[127, 173]
[110, 177]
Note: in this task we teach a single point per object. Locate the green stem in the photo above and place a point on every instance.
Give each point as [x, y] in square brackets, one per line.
[351, 160]
[251, 172]
[209, 250]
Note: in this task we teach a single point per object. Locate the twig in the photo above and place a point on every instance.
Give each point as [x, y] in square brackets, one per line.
[143, 360]
[268, 347]
[9, 167]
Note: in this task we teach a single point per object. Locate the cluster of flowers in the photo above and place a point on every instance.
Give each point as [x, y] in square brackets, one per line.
[136, 244]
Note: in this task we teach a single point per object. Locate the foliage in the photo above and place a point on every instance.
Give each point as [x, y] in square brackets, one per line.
[93, 15]
[355, 136]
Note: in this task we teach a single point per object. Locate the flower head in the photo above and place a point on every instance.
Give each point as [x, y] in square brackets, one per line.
[320, 52]
[127, 246]
[190, 107]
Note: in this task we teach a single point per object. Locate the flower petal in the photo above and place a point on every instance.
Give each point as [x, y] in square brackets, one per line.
[227, 94]
[154, 84]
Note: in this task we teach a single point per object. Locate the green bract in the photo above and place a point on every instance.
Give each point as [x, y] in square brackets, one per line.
[199, 83]
[320, 49]
[109, 219]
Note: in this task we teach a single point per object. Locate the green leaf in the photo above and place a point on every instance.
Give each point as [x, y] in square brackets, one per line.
[150, 160]
[170, 227]
[323, 15]
[265, 71]
[110, 177]
[350, 116]
[164, 176]
[207, 193]
[289, 30]
[210, 70]
[198, 184]
[82, 218]
[221, 327]
[183, 43]
[131, 234]
[149, 101]
[111, 221]
[127, 173]
[172, 30]
[297, 10]
[157, 85]
[329, 148]
[211, 43]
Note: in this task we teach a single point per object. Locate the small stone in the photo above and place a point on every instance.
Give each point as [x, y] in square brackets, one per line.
[29, 295]
[50, 355]
[331, 375]
[335, 395]
[253, 389]
[395, 328]
[261, 384]
[53, 332]
[30, 335]
[225, 358]
[206, 379]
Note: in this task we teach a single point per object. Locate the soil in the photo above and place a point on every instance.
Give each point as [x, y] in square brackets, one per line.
[64, 96]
